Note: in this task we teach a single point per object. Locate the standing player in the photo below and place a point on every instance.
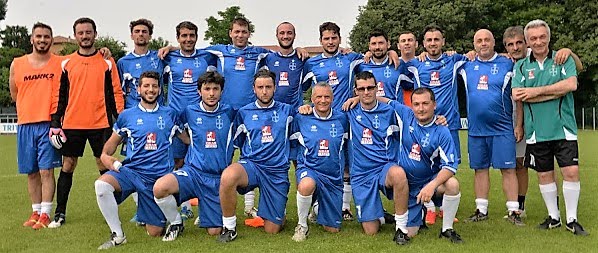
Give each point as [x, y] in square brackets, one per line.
[374, 148]
[491, 139]
[150, 129]
[545, 88]
[209, 125]
[319, 172]
[262, 129]
[407, 45]
[34, 82]
[90, 96]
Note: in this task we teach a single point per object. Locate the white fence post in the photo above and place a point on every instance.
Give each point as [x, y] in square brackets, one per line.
[583, 118]
[594, 118]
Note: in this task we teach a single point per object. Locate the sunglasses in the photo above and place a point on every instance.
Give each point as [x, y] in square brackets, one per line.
[368, 88]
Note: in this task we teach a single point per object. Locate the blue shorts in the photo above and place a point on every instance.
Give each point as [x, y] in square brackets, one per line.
[293, 153]
[496, 151]
[274, 190]
[34, 151]
[366, 193]
[179, 149]
[416, 213]
[130, 181]
[329, 196]
[194, 184]
[455, 135]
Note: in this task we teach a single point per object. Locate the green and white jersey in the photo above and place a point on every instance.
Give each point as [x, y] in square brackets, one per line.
[553, 119]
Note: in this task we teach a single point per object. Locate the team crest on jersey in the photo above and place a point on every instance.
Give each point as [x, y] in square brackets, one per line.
[267, 134]
[380, 92]
[426, 140]
[275, 116]
[332, 78]
[376, 122]
[435, 78]
[160, 123]
[283, 79]
[292, 65]
[150, 141]
[333, 131]
[219, 122]
[530, 74]
[366, 137]
[494, 69]
[553, 70]
[187, 76]
[338, 62]
[313, 128]
[199, 121]
[139, 122]
[154, 63]
[323, 148]
[415, 153]
[483, 82]
[240, 64]
[211, 140]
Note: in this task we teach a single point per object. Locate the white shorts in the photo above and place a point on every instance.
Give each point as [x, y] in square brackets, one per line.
[520, 149]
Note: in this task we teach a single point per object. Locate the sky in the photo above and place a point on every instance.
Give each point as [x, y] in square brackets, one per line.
[112, 17]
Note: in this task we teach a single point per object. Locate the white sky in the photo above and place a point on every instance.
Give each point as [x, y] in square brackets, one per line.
[112, 17]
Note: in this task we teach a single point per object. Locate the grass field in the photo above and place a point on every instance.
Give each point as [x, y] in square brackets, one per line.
[85, 229]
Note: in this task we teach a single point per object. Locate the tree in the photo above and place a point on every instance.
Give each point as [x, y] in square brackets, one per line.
[3, 9]
[158, 43]
[16, 37]
[7, 54]
[217, 32]
[5, 99]
[117, 48]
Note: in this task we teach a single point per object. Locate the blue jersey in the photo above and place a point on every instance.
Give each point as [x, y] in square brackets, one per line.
[130, 68]
[289, 77]
[211, 149]
[238, 66]
[149, 135]
[373, 139]
[337, 70]
[183, 73]
[321, 143]
[262, 134]
[388, 79]
[440, 75]
[425, 149]
[489, 104]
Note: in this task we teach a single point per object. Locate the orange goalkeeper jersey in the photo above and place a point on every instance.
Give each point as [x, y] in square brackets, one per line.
[90, 95]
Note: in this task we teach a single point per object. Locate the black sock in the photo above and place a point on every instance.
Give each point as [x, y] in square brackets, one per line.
[63, 188]
[521, 200]
[102, 172]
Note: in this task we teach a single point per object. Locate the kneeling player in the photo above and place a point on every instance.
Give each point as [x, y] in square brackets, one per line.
[149, 129]
[209, 125]
[319, 161]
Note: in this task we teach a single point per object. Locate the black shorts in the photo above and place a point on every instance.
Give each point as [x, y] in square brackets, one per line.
[540, 156]
[76, 138]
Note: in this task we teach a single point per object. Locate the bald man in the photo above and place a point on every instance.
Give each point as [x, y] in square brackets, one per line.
[491, 140]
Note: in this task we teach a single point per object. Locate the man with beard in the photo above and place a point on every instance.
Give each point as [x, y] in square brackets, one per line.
[34, 81]
[90, 96]
[150, 129]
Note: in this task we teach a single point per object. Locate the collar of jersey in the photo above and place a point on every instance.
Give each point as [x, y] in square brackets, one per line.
[205, 110]
[238, 48]
[139, 55]
[533, 59]
[371, 110]
[193, 54]
[489, 60]
[385, 61]
[338, 51]
[148, 110]
[270, 106]
[288, 55]
[429, 124]
[439, 58]
[318, 116]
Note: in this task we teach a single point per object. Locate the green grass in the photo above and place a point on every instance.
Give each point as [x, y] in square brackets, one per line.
[85, 228]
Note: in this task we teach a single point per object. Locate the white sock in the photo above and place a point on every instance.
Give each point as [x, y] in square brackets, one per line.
[346, 196]
[135, 198]
[481, 204]
[169, 208]
[229, 222]
[249, 200]
[108, 206]
[512, 206]
[303, 204]
[315, 208]
[451, 205]
[186, 205]
[46, 207]
[37, 208]
[430, 206]
[549, 194]
[401, 221]
[571, 195]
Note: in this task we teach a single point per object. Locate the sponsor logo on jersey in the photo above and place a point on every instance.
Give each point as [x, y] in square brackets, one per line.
[150, 141]
[211, 140]
[366, 137]
[333, 78]
[283, 79]
[38, 76]
[267, 134]
[530, 74]
[240, 64]
[435, 78]
[483, 82]
[323, 148]
[380, 92]
[415, 153]
[187, 76]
